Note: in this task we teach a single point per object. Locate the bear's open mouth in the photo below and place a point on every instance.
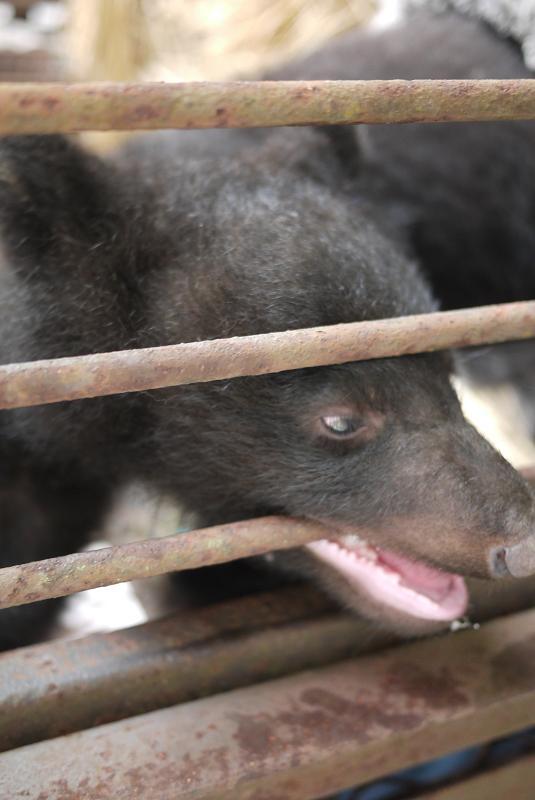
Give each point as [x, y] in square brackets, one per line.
[394, 580]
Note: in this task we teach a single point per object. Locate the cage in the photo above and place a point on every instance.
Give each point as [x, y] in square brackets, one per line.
[276, 695]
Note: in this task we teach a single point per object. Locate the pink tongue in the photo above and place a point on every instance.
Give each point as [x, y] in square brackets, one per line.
[414, 575]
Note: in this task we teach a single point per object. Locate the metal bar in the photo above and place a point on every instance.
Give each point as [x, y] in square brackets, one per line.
[301, 737]
[56, 577]
[77, 572]
[515, 780]
[54, 380]
[61, 686]
[67, 108]
[58, 687]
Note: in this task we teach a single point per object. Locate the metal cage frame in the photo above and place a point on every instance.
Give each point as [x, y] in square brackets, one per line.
[290, 736]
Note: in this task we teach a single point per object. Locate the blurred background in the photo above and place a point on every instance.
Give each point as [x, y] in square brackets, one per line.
[164, 39]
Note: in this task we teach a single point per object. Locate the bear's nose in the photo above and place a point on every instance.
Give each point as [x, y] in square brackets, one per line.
[517, 561]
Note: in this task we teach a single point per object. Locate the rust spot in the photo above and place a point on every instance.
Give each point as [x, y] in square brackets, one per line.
[436, 689]
[222, 117]
[256, 736]
[59, 789]
[50, 103]
[514, 666]
[193, 768]
[143, 113]
[324, 720]
[328, 700]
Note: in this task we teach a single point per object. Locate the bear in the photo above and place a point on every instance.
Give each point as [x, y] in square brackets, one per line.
[145, 251]
[188, 237]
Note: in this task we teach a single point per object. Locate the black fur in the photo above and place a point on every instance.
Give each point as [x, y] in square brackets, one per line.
[202, 236]
[462, 195]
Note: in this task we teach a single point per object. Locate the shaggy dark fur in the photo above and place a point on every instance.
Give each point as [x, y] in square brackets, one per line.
[463, 196]
[224, 235]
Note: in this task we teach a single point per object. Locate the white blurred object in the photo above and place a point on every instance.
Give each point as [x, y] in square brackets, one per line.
[26, 35]
[18, 37]
[7, 13]
[389, 13]
[137, 514]
[108, 608]
[497, 413]
[47, 17]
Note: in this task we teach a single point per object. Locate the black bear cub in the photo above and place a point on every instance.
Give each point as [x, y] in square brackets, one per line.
[191, 238]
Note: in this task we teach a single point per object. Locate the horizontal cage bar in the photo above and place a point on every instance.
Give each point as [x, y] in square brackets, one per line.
[67, 108]
[191, 654]
[60, 686]
[300, 737]
[57, 577]
[54, 380]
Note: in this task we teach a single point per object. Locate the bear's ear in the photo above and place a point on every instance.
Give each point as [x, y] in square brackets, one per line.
[52, 192]
[345, 147]
[329, 154]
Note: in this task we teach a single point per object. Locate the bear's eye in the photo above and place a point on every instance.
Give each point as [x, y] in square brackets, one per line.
[340, 426]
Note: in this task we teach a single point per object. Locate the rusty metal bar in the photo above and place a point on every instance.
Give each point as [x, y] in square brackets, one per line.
[56, 577]
[59, 687]
[67, 108]
[55, 688]
[301, 737]
[77, 572]
[53, 380]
